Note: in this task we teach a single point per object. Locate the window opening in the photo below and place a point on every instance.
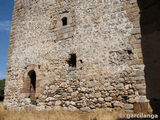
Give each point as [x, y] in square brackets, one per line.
[32, 76]
[72, 60]
[64, 21]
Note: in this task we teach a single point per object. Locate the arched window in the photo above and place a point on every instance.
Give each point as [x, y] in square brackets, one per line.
[64, 21]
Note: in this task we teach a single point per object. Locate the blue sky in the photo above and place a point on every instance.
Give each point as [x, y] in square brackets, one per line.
[6, 10]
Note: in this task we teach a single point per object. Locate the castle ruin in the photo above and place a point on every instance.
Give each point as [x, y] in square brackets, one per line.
[75, 54]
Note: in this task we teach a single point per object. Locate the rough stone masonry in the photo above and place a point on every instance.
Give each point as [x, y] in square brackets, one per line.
[75, 54]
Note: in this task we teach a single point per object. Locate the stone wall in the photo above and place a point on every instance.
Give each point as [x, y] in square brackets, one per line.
[104, 35]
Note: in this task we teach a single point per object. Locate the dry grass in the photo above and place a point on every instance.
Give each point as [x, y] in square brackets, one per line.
[58, 115]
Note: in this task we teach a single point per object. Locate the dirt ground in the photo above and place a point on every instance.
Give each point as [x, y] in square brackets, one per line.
[99, 114]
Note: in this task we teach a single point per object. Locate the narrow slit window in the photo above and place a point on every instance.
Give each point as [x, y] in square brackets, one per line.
[64, 21]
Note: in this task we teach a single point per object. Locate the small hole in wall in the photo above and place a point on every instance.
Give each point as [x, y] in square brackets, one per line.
[72, 60]
[39, 66]
[64, 21]
[125, 97]
[81, 61]
[129, 52]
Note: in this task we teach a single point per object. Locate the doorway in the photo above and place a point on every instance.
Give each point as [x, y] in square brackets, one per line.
[32, 76]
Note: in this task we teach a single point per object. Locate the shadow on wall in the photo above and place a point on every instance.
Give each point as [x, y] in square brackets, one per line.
[150, 30]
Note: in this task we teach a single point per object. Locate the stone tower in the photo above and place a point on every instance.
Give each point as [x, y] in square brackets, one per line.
[75, 54]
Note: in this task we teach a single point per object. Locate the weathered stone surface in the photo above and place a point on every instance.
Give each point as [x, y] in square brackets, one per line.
[74, 94]
[72, 108]
[57, 103]
[27, 101]
[120, 86]
[85, 109]
[93, 60]
[97, 95]
[108, 99]
[117, 104]
[70, 89]
[101, 100]
[72, 103]
[142, 99]
[109, 104]
[132, 100]
[128, 106]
